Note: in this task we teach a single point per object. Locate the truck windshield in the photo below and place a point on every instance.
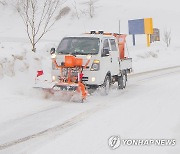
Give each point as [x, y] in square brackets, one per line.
[79, 46]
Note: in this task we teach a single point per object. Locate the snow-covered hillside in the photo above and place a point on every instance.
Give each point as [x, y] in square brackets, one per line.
[18, 66]
[13, 39]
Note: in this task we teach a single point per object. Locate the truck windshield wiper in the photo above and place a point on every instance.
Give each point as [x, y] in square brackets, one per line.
[78, 53]
[75, 52]
[64, 52]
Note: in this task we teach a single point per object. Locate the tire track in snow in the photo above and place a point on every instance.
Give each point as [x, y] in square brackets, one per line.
[80, 117]
[155, 71]
[65, 125]
[129, 76]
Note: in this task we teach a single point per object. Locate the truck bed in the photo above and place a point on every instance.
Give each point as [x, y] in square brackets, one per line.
[125, 64]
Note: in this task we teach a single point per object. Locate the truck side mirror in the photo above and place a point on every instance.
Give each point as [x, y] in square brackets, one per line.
[52, 51]
[105, 52]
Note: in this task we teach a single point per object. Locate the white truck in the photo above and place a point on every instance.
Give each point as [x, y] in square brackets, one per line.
[105, 53]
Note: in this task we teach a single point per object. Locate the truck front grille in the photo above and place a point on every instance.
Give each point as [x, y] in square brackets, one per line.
[85, 78]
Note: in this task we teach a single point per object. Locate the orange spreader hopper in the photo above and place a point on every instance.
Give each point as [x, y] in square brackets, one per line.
[121, 44]
[71, 61]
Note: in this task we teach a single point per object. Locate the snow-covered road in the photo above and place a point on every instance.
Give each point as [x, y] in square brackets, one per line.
[148, 108]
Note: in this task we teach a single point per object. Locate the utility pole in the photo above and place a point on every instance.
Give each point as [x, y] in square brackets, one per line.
[119, 26]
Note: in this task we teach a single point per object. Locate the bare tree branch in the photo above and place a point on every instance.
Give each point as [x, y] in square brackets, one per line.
[91, 7]
[38, 20]
[76, 9]
[63, 12]
[167, 37]
[3, 2]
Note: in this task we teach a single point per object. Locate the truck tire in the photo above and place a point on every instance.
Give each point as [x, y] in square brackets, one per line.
[122, 81]
[106, 85]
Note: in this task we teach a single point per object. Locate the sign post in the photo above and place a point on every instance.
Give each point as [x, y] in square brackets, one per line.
[148, 29]
[148, 40]
[134, 40]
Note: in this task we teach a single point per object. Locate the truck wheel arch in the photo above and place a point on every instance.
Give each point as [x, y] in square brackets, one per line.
[122, 80]
[108, 74]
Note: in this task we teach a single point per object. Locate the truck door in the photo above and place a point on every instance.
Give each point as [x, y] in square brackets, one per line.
[114, 53]
[106, 57]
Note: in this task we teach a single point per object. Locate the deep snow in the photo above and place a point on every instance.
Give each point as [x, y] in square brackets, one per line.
[147, 109]
[18, 66]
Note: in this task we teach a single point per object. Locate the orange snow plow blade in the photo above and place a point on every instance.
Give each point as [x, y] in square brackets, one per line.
[70, 81]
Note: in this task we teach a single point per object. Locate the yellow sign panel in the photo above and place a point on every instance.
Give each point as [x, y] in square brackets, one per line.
[148, 26]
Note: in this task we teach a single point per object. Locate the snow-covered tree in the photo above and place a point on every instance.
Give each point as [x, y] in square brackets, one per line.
[38, 17]
[167, 37]
[90, 7]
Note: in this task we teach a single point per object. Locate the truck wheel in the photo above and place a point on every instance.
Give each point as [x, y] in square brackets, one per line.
[106, 85]
[122, 81]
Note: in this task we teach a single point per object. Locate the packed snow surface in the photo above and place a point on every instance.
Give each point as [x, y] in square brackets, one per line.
[147, 109]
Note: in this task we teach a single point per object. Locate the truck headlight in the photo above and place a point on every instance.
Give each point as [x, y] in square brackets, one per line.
[95, 66]
[93, 79]
[53, 78]
[53, 56]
